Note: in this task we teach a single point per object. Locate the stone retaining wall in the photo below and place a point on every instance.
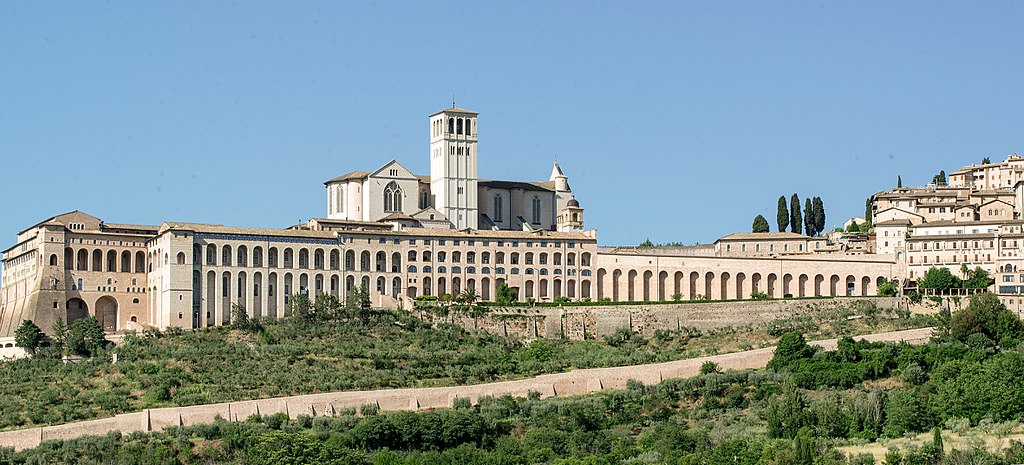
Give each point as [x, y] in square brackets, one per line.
[578, 322]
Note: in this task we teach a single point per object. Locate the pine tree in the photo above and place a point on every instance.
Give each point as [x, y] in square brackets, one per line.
[819, 215]
[937, 445]
[899, 182]
[795, 218]
[760, 225]
[808, 217]
[783, 215]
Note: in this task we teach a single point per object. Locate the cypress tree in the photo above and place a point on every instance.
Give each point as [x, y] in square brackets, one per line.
[760, 225]
[937, 444]
[795, 218]
[808, 217]
[867, 211]
[782, 218]
[899, 182]
[819, 215]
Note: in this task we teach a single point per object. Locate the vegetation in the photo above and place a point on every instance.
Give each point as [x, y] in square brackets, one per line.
[941, 280]
[760, 225]
[783, 216]
[28, 336]
[808, 217]
[804, 409]
[887, 288]
[899, 182]
[867, 211]
[795, 217]
[376, 350]
[939, 179]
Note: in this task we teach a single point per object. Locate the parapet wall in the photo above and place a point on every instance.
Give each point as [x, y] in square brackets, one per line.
[600, 320]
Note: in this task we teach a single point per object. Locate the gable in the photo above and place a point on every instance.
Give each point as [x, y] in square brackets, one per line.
[393, 170]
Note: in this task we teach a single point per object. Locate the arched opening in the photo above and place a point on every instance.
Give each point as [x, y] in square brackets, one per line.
[243, 256]
[83, 260]
[76, 308]
[335, 260]
[381, 261]
[126, 262]
[802, 286]
[485, 288]
[741, 291]
[662, 284]
[97, 260]
[865, 282]
[694, 277]
[709, 286]
[69, 258]
[631, 286]
[140, 262]
[724, 285]
[318, 259]
[106, 313]
[181, 258]
[111, 261]
[616, 282]
[787, 285]
[648, 277]
[53, 259]
[818, 281]
[772, 285]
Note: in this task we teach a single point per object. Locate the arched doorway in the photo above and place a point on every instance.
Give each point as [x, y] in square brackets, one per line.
[106, 313]
[76, 308]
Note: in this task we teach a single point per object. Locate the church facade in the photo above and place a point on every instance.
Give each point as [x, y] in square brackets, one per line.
[453, 196]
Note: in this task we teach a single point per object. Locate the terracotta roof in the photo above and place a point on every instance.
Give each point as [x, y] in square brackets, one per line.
[896, 222]
[529, 186]
[764, 236]
[348, 176]
[455, 110]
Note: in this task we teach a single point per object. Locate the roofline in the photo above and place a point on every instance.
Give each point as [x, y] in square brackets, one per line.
[454, 110]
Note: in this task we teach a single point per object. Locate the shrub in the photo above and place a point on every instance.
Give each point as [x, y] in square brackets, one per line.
[709, 367]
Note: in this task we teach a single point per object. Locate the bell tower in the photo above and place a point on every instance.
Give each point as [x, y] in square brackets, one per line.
[453, 165]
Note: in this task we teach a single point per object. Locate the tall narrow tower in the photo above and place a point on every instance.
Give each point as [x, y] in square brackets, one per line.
[453, 181]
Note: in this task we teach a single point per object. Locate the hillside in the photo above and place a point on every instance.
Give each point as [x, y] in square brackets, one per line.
[383, 350]
[808, 407]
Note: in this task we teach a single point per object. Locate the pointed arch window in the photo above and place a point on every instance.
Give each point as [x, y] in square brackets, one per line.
[498, 214]
[392, 197]
[536, 210]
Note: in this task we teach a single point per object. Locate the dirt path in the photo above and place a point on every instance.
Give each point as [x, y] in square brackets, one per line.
[570, 383]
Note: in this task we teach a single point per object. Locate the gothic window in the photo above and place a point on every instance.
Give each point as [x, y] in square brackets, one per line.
[424, 199]
[451, 125]
[536, 210]
[497, 208]
[392, 198]
[458, 126]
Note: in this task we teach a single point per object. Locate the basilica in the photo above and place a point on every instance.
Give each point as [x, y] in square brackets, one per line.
[452, 196]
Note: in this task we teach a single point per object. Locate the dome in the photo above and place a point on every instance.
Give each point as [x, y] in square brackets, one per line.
[573, 202]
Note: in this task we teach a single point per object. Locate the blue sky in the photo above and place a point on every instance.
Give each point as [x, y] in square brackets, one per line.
[676, 121]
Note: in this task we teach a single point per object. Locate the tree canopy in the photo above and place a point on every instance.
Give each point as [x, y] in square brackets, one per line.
[28, 336]
[760, 225]
[782, 217]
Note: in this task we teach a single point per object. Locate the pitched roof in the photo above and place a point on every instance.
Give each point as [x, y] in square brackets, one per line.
[348, 176]
[528, 186]
[764, 236]
[455, 110]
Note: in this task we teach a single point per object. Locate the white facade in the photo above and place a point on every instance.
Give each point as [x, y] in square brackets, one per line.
[453, 195]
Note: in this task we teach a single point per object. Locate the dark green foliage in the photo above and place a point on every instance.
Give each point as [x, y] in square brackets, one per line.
[709, 367]
[808, 217]
[760, 225]
[853, 227]
[940, 179]
[783, 216]
[791, 347]
[59, 336]
[985, 161]
[647, 243]
[986, 315]
[887, 289]
[899, 182]
[819, 215]
[85, 337]
[28, 336]
[795, 217]
[506, 295]
[867, 211]
[939, 279]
